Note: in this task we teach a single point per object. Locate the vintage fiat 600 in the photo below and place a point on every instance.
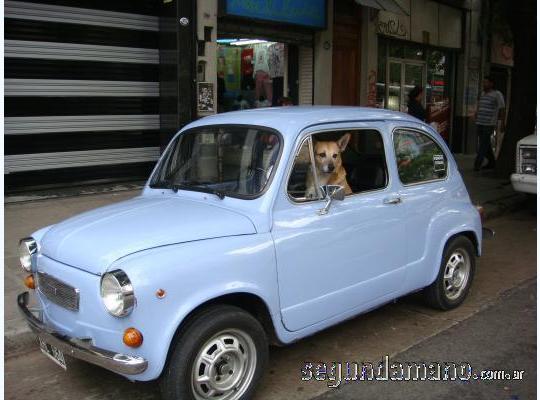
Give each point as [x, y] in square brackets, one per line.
[256, 227]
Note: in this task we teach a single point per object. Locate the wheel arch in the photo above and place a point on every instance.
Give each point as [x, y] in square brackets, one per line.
[467, 233]
[249, 302]
[471, 235]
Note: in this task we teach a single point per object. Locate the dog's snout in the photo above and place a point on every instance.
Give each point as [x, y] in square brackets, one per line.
[331, 167]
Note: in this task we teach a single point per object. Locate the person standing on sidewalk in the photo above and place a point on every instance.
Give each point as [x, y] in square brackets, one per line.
[490, 109]
[414, 106]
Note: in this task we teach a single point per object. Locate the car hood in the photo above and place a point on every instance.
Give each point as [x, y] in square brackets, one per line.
[93, 240]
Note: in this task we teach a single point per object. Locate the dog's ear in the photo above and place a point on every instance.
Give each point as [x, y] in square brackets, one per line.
[343, 142]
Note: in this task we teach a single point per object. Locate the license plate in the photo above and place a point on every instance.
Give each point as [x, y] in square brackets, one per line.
[53, 353]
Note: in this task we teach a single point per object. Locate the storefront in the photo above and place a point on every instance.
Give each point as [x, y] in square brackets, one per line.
[416, 45]
[263, 55]
[403, 66]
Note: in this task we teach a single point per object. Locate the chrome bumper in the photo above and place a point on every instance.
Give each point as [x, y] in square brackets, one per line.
[525, 183]
[82, 349]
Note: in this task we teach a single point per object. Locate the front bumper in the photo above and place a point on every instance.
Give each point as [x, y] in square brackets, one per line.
[524, 183]
[80, 348]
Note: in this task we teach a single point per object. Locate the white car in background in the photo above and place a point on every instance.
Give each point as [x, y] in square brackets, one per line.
[524, 180]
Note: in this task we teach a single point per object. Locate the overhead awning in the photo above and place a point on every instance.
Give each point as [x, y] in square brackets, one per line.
[386, 5]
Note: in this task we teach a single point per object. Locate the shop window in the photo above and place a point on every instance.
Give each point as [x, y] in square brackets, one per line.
[251, 74]
[414, 53]
[362, 158]
[395, 50]
[438, 91]
[419, 158]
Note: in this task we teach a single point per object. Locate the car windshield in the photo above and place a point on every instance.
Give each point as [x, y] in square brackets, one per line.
[234, 161]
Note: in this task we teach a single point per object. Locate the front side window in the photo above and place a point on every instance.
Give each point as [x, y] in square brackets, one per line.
[353, 159]
[419, 158]
[235, 161]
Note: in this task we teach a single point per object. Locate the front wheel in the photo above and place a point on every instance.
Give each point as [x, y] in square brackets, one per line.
[220, 355]
[455, 275]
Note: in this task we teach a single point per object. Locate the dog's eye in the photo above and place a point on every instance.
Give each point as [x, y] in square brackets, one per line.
[322, 155]
[334, 156]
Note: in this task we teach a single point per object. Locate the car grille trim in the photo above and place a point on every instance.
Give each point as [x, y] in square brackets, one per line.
[58, 292]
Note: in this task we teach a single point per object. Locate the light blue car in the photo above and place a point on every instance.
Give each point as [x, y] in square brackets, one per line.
[224, 253]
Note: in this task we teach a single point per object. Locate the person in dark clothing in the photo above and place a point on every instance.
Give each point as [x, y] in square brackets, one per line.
[414, 105]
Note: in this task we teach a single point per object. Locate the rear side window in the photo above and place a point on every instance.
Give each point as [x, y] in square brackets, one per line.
[419, 158]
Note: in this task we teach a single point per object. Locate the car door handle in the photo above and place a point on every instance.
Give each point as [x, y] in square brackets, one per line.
[392, 200]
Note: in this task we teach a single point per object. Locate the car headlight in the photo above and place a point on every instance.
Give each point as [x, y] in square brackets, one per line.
[117, 293]
[529, 168]
[27, 248]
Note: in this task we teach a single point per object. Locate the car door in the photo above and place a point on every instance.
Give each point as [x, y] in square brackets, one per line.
[422, 167]
[351, 258]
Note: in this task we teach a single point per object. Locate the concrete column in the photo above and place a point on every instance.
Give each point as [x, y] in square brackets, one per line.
[469, 72]
[368, 57]
[207, 17]
[322, 53]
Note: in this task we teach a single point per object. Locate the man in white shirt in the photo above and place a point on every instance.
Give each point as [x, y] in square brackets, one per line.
[490, 109]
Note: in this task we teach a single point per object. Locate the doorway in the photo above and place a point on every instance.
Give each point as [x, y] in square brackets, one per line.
[402, 76]
[346, 54]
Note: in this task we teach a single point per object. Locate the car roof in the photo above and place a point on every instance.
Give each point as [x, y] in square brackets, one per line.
[291, 120]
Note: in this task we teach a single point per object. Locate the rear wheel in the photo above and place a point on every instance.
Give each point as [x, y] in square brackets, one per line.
[220, 355]
[455, 275]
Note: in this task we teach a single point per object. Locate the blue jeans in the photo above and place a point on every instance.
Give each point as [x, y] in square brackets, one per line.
[484, 146]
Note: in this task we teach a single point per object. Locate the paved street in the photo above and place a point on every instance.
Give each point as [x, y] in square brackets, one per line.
[509, 261]
[499, 338]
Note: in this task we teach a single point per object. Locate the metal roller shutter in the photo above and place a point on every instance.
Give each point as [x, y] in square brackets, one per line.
[81, 87]
[305, 75]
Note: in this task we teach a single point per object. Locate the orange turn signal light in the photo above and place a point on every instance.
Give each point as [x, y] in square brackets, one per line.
[29, 282]
[132, 337]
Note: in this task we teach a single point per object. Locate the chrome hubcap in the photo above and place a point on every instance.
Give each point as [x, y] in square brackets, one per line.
[224, 367]
[456, 274]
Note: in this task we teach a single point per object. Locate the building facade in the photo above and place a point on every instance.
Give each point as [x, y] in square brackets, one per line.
[94, 90]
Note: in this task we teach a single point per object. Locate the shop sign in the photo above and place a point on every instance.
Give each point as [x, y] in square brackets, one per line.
[309, 13]
[390, 24]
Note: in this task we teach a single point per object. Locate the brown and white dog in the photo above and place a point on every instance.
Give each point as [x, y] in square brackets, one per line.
[329, 167]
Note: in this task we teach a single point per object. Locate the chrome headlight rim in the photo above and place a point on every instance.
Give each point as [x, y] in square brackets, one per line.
[125, 290]
[30, 247]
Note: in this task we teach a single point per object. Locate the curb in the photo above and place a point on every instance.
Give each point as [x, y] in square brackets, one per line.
[504, 205]
[72, 192]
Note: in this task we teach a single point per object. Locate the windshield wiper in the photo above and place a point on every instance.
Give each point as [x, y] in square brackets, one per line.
[179, 186]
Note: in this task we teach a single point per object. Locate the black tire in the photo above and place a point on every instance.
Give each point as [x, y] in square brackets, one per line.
[176, 380]
[435, 294]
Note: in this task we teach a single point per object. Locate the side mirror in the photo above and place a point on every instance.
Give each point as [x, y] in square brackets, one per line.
[331, 193]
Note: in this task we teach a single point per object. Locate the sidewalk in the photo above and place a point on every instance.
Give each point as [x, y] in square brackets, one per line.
[22, 217]
[496, 195]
